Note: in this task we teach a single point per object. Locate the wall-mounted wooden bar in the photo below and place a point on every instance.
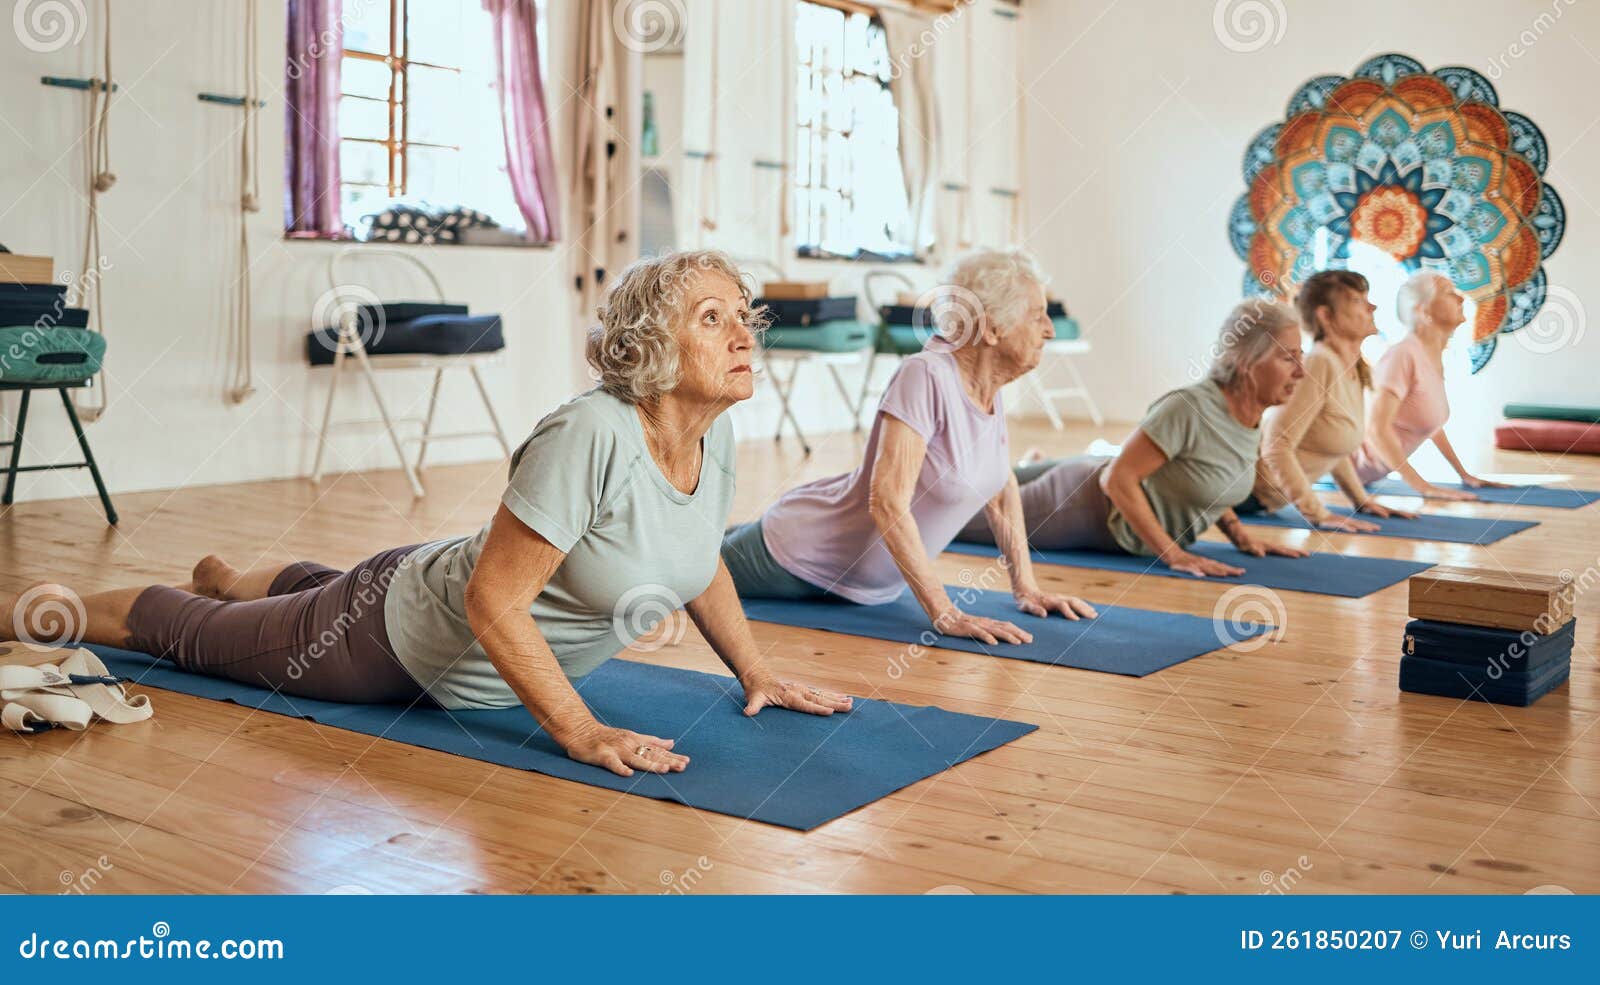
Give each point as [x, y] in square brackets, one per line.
[211, 97]
[84, 84]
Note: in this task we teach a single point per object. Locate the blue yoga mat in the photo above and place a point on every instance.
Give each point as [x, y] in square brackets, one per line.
[1563, 499]
[1119, 640]
[1320, 574]
[1429, 526]
[781, 767]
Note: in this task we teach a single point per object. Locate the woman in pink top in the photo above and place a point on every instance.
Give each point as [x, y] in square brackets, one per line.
[936, 455]
[1409, 405]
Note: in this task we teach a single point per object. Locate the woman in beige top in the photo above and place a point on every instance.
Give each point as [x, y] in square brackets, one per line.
[1321, 425]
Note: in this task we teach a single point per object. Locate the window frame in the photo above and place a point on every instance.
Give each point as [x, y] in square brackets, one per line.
[397, 143]
[816, 134]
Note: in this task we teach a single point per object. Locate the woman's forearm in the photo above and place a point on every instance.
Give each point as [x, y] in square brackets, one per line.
[1010, 528]
[898, 528]
[1441, 442]
[720, 619]
[524, 660]
[1128, 497]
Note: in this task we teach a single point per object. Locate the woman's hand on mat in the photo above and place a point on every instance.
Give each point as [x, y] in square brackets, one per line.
[1431, 491]
[1205, 567]
[954, 622]
[622, 751]
[1473, 482]
[1261, 548]
[1037, 603]
[772, 692]
[1383, 512]
[1347, 524]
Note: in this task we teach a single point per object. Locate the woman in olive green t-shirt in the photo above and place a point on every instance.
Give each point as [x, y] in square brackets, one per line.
[1192, 457]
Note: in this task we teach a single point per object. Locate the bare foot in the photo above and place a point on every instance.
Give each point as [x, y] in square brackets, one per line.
[214, 577]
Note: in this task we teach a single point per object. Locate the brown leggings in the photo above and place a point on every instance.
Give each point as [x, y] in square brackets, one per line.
[318, 634]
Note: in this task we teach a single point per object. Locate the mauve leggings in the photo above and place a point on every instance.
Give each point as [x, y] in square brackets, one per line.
[319, 633]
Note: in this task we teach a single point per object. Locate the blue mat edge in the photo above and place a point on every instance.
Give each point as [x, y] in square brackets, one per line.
[998, 732]
[1158, 570]
[1289, 519]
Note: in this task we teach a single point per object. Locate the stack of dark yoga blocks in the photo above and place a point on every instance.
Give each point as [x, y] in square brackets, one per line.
[1488, 635]
[42, 339]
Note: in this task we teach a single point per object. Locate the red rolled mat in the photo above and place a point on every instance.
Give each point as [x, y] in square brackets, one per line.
[1551, 436]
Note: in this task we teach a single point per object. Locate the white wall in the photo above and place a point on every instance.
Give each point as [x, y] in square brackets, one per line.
[1138, 119]
[169, 227]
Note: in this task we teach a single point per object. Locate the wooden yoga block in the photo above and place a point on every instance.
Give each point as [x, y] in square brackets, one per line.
[18, 269]
[794, 290]
[1497, 599]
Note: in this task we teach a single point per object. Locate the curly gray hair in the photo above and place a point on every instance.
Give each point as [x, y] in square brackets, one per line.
[633, 351]
[996, 282]
[1246, 338]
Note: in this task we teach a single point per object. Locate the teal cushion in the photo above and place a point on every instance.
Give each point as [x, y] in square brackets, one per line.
[1066, 328]
[49, 355]
[829, 336]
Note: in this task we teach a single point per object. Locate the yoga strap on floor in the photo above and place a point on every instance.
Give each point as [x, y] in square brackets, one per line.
[71, 694]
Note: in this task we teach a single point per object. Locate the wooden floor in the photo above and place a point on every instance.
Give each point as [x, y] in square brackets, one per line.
[1298, 767]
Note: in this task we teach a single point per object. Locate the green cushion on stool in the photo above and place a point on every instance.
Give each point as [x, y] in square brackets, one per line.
[839, 335]
[49, 355]
[1066, 328]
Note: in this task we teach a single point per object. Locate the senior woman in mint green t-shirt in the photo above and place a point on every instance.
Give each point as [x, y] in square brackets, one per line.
[1192, 457]
[612, 518]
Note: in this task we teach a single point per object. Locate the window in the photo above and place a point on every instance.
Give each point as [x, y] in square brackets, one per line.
[849, 192]
[419, 119]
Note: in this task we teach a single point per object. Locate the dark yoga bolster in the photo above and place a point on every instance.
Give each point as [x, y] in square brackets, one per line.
[783, 767]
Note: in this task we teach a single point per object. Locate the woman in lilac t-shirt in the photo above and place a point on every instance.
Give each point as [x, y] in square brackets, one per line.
[936, 455]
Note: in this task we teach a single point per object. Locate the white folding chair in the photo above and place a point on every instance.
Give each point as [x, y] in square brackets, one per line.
[352, 345]
[1067, 350]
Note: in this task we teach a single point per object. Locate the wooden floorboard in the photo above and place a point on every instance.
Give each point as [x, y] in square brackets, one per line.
[1299, 764]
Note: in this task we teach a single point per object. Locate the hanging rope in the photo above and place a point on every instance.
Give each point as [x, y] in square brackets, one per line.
[100, 178]
[242, 382]
[708, 164]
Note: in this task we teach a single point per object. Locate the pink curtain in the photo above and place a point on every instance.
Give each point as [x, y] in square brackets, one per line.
[311, 138]
[523, 116]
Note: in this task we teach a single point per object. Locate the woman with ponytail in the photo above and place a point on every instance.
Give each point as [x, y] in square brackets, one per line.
[1320, 428]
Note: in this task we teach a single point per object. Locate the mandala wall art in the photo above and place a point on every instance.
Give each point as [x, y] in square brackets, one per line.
[1423, 165]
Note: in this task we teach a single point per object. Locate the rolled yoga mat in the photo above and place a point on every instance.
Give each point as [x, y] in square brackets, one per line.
[1120, 640]
[781, 767]
[1554, 412]
[1564, 499]
[1320, 574]
[1432, 526]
